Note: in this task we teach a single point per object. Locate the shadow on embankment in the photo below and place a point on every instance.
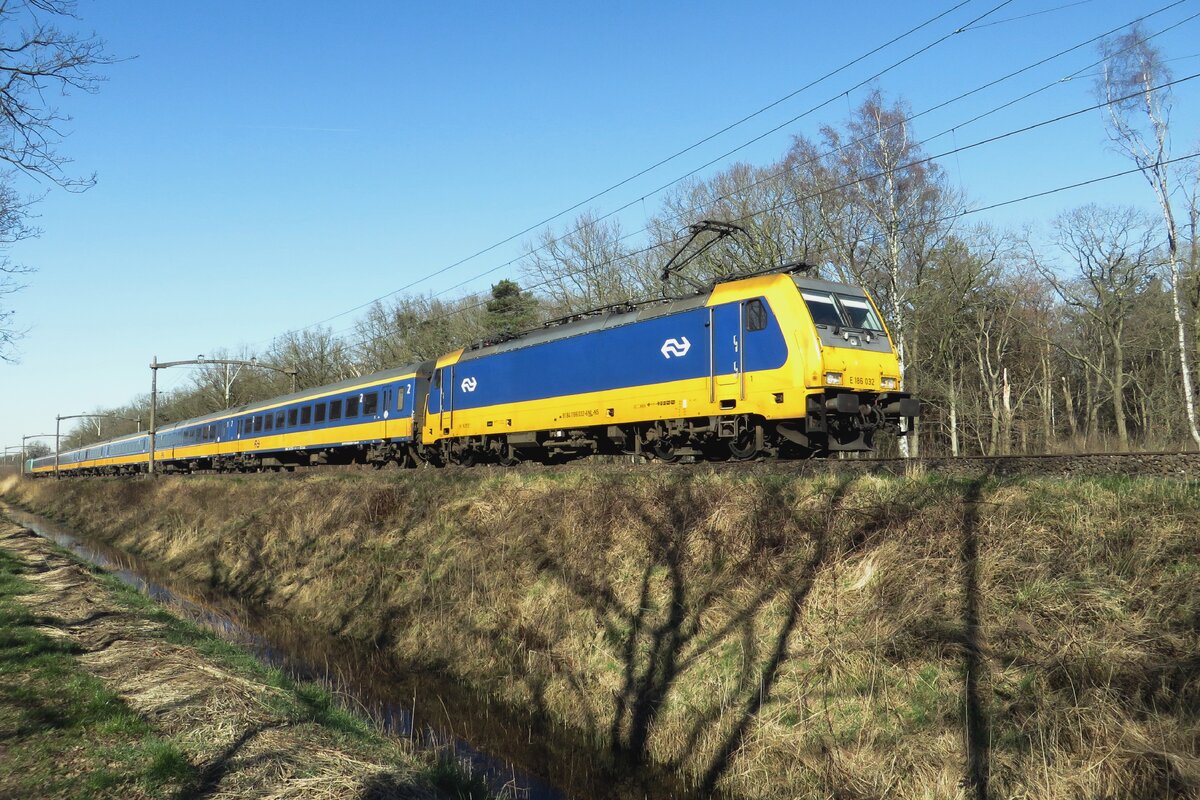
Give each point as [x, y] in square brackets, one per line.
[660, 636]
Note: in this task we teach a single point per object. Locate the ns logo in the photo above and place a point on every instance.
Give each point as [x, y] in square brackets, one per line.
[676, 347]
[468, 384]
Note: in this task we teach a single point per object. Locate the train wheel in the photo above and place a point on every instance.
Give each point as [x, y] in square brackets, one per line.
[664, 450]
[743, 447]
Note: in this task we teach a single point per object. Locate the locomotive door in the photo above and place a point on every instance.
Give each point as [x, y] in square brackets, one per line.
[727, 351]
[445, 389]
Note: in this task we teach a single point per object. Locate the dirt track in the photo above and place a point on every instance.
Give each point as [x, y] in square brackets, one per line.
[237, 731]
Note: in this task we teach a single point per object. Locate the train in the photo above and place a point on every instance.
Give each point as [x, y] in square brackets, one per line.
[769, 365]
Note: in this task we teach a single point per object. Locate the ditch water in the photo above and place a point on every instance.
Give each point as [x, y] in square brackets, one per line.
[522, 756]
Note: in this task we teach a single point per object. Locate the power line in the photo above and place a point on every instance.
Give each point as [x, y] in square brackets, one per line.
[970, 121]
[847, 145]
[1033, 14]
[828, 190]
[969, 26]
[874, 175]
[973, 145]
[946, 218]
[691, 147]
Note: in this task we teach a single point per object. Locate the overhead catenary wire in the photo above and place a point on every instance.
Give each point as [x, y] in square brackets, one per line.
[1032, 14]
[827, 190]
[693, 146]
[909, 118]
[847, 184]
[971, 25]
[903, 229]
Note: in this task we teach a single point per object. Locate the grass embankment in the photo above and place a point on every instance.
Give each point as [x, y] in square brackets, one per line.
[771, 636]
[104, 694]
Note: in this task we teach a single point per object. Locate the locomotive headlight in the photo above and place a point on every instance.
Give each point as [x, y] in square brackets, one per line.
[833, 377]
[887, 383]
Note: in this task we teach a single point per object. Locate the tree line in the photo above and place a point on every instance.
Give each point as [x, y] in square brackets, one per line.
[1083, 338]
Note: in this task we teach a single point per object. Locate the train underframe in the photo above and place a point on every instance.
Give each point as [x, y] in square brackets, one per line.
[835, 422]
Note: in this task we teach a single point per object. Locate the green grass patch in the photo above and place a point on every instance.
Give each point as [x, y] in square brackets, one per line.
[63, 734]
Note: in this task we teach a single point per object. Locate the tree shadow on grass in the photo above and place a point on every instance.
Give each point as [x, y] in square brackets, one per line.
[208, 779]
[661, 636]
[976, 732]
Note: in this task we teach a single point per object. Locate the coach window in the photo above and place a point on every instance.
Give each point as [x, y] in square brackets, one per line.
[269, 422]
[370, 404]
[756, 316]
[351, 407]
[306, 415]
[401, 393]
[291, 417]
[335, 409]
[258, 423]
[279, 420]
[319, 412]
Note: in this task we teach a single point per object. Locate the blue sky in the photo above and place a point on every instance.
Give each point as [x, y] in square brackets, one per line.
[267, 165]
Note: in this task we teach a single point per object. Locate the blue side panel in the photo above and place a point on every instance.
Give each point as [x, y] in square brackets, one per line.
[656, 351]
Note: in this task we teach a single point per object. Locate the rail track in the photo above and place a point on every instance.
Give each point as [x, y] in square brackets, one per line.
[1182, 465]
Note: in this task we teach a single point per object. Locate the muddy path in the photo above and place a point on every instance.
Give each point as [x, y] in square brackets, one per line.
[245, 736]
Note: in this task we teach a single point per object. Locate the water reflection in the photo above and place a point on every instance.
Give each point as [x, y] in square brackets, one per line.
[520, 755]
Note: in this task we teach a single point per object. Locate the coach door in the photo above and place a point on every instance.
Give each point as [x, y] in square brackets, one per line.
[386, 410]
[727, 354]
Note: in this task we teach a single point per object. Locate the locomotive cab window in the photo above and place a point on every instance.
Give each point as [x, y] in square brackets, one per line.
[370, 404]
[756, 316]
[859, 313]
[823, 309]
[335, 409]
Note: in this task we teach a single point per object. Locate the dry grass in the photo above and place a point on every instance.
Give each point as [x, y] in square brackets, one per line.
[774, 637]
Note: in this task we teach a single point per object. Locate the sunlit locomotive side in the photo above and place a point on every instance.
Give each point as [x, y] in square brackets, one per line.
[767, 365]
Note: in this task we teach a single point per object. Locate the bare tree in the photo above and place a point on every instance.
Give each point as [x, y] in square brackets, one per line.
[1138, 124]
[318, 355]
[582, 269]
[36, 59]
[13, 228]
[411, 329]
[1112, 251]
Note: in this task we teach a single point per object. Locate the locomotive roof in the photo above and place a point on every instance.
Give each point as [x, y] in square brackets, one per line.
[614, 317]
[827, 286]
[609, 318]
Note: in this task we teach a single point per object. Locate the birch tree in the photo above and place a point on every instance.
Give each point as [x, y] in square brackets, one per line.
[1138, 126]
[904, 200]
